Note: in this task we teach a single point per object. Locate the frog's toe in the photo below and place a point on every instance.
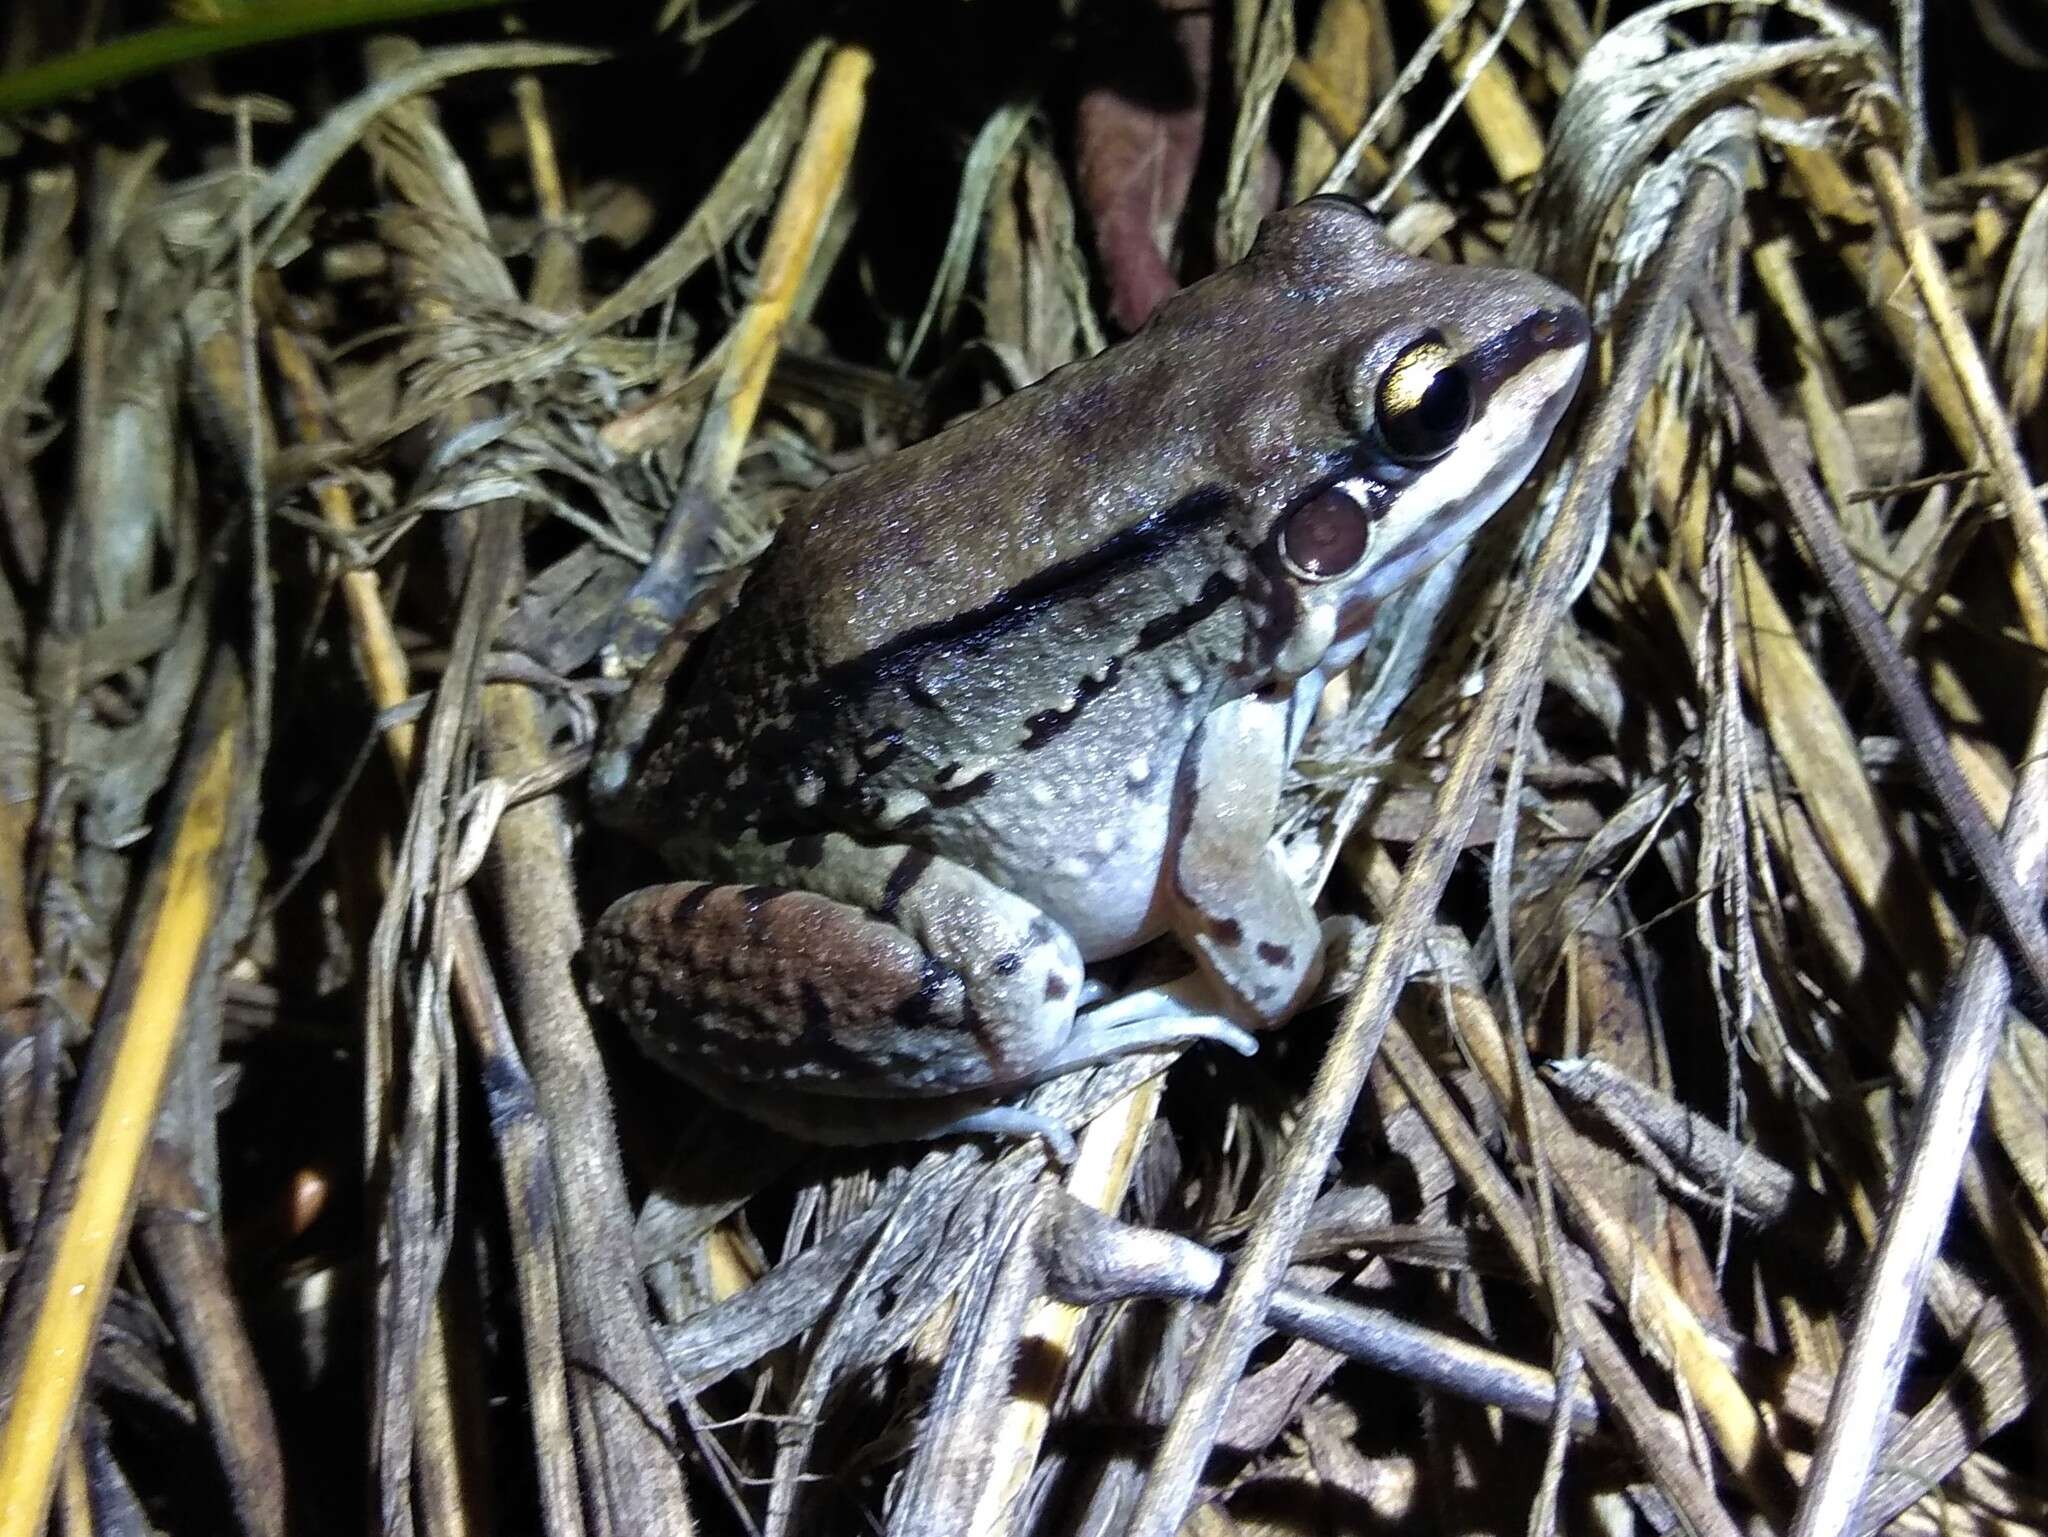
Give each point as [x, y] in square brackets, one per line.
[1005, 1122]
[1151, 1019]
[839, 1120]
[1347, 945]
[1178, 1012]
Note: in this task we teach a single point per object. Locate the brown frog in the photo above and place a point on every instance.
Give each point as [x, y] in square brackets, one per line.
[1023, 695]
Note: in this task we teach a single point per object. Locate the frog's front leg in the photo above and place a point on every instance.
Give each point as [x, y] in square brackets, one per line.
[848, 969]
[1234, 907]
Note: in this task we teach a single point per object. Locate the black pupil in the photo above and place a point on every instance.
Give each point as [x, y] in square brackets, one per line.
[1445, 404]
[1427, 425]
[1326, 535]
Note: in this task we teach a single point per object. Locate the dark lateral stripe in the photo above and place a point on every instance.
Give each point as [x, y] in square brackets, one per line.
[909, 870]
[1136, 545]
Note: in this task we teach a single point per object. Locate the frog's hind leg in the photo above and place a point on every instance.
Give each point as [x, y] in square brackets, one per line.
[855, 970]
[834, 1120]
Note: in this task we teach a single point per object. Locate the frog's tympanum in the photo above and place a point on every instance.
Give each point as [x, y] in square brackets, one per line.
[1023, 696]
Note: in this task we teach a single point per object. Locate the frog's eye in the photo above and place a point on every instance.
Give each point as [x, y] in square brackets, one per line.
[1327, 535]
[1424, 402]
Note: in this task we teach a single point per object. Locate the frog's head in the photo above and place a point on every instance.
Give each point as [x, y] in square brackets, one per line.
[1426, 394]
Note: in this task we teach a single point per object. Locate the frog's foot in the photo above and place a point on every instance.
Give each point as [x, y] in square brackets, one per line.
[1347, 944]
[1006, 1121]
[837, 1120]
[1178, 1013]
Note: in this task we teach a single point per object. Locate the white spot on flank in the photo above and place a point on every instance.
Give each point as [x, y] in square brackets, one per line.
[1106, 840]
[1041, 793]
[808, 789]
[1139, 769]
[1072, 867]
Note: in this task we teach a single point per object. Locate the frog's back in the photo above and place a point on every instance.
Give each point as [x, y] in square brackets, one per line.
[998, 504]
[1206, 396]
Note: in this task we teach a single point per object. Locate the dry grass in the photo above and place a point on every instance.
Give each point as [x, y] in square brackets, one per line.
[358, 436]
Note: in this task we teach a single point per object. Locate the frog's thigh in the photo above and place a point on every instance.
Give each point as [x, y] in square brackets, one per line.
[1235, 908]
[889, 971]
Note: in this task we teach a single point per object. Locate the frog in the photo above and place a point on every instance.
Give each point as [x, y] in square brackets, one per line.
[1022, 697]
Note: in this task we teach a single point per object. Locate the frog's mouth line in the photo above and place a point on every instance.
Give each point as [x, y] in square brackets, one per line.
[1430, 539]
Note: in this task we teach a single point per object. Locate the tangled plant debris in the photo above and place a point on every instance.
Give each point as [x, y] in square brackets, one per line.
[1673, 1153]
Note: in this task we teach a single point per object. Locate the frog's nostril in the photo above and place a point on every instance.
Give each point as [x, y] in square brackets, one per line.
[1561, 327]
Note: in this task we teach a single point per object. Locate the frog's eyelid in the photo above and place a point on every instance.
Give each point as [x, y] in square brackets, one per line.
[1363, 367]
